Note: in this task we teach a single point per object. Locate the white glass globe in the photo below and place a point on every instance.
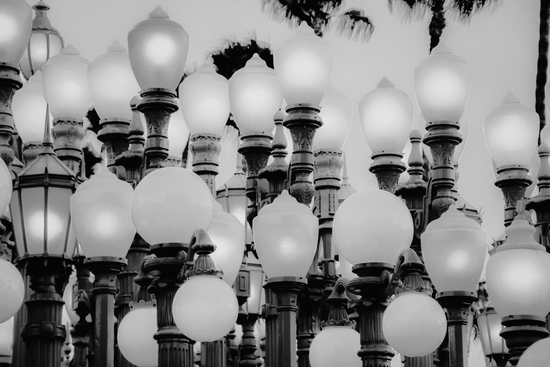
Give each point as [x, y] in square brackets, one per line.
[6, 337]
[29, 110]
[414, 324]
[537, 355]
[135, 336]
[169, 204]
[15, 30]
[372, 225]
[178, 134]
[12, 290]
[336, 113]
[335, 346]
[205, 308]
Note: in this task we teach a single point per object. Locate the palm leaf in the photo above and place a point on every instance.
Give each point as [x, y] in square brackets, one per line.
[463, 10]
[355, 25]
[410, 9]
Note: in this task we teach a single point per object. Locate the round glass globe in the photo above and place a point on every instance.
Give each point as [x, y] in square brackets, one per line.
[335, 346]
[414, 324]
[6, 337]
[372, 225]
[12, 290]
[15, 30]
[29, 110]
[169, 204]
[135, 336]
[537, 355]
[205, 308]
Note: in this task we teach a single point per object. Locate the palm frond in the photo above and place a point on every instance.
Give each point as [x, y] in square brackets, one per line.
[234, 54]
[409, 10]
[355, 25]
[463, 10]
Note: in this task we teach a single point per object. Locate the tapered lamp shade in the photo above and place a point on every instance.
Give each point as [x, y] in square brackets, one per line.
[537, 355]
[112, 83]
[158, 50]
[489, 323]
[102, 212]
[511, 131]
[12, 290]
[15, 30]
[65, 83]
[285, 234]
[29, 110]
[442, 85]
[386, 116]
[232, 195]
[178, 135]
[414, 324]
[255, 97]
[205, 308]
[372, 225]
[227, 233]
[335, 346]
[204, 98]
[170, 204]
[517, 273]
[454, 249]
[135, 336]
[336, 113]
[303, 65]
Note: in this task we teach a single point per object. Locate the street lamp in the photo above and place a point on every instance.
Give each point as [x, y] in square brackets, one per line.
[12, 290]
[536, 355]
[493, 344]
[135, 335]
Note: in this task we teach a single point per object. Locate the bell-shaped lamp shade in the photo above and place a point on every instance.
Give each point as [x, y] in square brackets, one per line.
[15, 30]
[285, 234]
[227, 233]
[454, 249]
[442, 85]
[255, 97]
[170, 204]
[158, 50]
[204, 98]
[112, 83]
[6, 338]
[102, 212]
[12, 290]
[372, 225]
[517, 273]
[386, 116]
[489, 323]
[335, 346]
[135, 336]
[511, 131]
[414, 324]
[537, 355]
[303, 65]
[29, 110]
[65, 83]
[336, 113]
[178, 135]
[205, 308]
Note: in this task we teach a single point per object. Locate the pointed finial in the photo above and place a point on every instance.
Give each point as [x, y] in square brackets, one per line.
[47, 143]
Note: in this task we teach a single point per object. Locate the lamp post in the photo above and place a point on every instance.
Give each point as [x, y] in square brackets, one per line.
[493, 344]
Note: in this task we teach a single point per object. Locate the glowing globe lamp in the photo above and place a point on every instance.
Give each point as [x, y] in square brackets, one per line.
[442, 85]
[255, 97]
[15, 30]
[158, 49]
[414, 324]
[336, 113]
[285, 234]
[135, 336]
[454, 249]
[12, 290]
[303, 65]
[205, 308]
[178, 135]
[489, 324]
[372, 225]
[335, 346]
[511, 131]
[537, 355]
[29, 110]
[6, 339]
[169, 204]
[517, 272]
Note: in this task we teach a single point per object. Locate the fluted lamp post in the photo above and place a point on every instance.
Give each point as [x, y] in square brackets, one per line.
[494, 346]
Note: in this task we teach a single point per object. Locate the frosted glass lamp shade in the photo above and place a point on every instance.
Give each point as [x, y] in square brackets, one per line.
[15, 30]
[205, 308]
[65, 83]
[112, 83]
[537, 355]
[158, 50]
[6, 338]
[454, 249]
[442, 85]
[12, 290]
[372, 225]
[285, 234]
[511, 131]
[204, 98]
[489, 323]
[228, 234]
[29, 110]
[335, 346]
[414, 324]
[169, 204]
[303, 65]
[135, 336]
[386, 116]
[255, 97]
[517, 273]
[336, 113]
[102, 212]
[178, 134]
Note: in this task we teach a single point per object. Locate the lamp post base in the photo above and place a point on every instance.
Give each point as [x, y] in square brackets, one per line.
[520, 332]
